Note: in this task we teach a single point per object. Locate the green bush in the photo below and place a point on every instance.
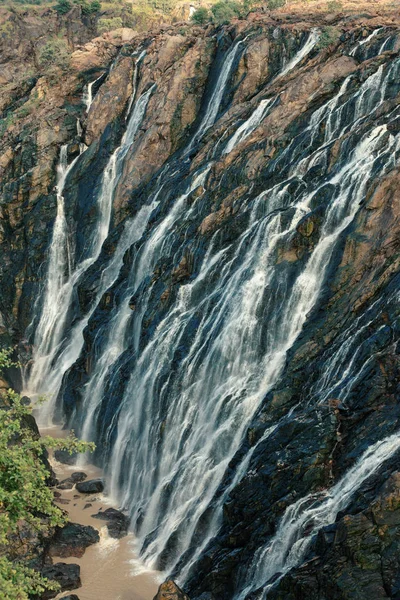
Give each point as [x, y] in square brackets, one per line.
[200, 16]
[272, 4]
[224, 12]
[55, 53]
[334, 6]
[104, 25]
[95, 6]
[26, 502]
[63, 6]
[329, 35]
[90, 8]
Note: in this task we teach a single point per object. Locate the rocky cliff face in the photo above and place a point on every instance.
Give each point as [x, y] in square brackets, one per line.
[231, 344]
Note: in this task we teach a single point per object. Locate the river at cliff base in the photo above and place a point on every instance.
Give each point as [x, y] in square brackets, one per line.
[109, 570]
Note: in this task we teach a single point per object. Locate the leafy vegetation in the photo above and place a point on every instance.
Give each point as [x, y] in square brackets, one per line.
[88, 8]
[63, 6]
[224, 12]
[329, 35]
[109, 24]
[201, 16]
[55, 53]
[26, 502]
[334, 6]
[5, 123]
[273, 4]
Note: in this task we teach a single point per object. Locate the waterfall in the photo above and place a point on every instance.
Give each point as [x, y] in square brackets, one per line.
[166, 464]
[265, 105]
[311, 42]
[134, 83]
[365, 41]
[184, 390]
[214, 104]
[88, 93]
[303, 519]
[55, 348]
[116, 333]
[250, 125]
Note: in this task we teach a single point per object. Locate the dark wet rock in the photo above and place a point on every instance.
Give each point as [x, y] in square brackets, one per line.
[78, 476]
[72, 540]
[66, 484]
[64, 457]
[358, 557]
[117, 522]
[69, 482]
[92, 486]
[88, 505]
[66, 575]
[170, 591]
[71, 597]
[62, 500]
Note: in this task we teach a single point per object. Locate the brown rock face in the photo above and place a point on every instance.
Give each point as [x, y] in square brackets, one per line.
[170, 591]
[178, 66]
[111, 100]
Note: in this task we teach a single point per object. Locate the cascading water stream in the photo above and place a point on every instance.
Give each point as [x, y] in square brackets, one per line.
[135, 79]
[88, 93]
[310, 43]
[303, 519]
[250, 125]
[214, 103]
[55, 349]
[259, 114]
[116, 333]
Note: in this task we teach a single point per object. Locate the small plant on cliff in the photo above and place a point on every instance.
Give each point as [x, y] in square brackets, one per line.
[26, 502]
[90, 8]
[104, 25]
[273, 4]
[224, 12]
[201, 16]
[55, 53]
[329, 35]
[334, 6]
[63, 6]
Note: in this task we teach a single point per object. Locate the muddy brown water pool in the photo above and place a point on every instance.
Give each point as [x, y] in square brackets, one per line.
[109, 569]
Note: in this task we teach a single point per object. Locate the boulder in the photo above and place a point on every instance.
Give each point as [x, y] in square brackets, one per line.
[67, 576]
[92, 486]
[68, 484]
[117, 522]
[64, 457]
[72, 540]
[70, 597]
[170, 591]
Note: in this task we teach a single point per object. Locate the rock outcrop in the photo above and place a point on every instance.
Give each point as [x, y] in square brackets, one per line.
[117, 522]
[66, 575]
[72, 540]
[91, 486]
[170, 591]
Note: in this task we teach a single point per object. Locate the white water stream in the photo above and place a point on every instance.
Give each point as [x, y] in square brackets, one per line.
[56, 349]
